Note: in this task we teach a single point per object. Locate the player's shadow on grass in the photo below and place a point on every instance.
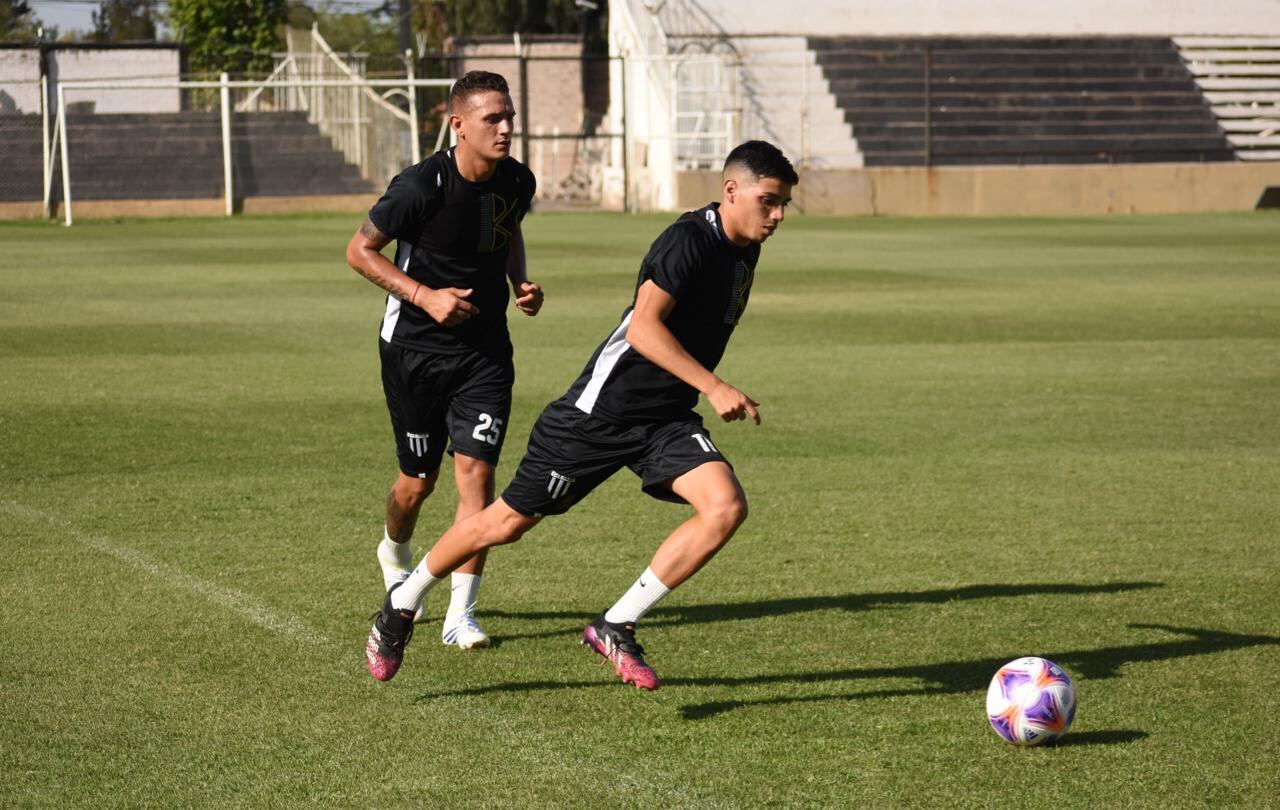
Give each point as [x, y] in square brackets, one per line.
[740, 611]
[944, 678]
[954, 677]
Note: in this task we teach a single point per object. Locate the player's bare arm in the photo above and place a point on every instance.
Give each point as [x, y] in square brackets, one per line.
[448, 306]
[649, 335]
[528, 295]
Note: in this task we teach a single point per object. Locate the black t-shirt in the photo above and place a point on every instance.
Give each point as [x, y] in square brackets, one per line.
[451, 232]
[710, 279]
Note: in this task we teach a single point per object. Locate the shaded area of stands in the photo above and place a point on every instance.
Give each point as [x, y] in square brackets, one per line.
[1020, 101]
[141, 156]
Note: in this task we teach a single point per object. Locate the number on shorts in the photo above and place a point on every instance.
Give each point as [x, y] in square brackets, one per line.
[705, 443]
[488, 429]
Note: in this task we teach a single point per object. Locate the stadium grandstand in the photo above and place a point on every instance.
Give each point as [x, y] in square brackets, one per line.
[970, 107]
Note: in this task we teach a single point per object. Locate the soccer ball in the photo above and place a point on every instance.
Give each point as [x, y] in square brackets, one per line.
[1031, 701]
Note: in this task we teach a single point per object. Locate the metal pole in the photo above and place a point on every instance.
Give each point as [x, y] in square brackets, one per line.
[66, 166]
[525, 119]
[226, 143]
[414, 143]
[46, 159]
[48, 181]
[928, 105]
[804, 109]
[358, 130]
[626, 155]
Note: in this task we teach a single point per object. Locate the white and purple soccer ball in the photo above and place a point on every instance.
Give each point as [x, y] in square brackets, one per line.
[1031, 701]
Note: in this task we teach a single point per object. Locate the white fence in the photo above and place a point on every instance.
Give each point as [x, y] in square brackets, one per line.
[343, 107]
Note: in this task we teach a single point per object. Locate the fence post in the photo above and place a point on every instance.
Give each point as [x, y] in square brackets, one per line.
[46, 159]
[66, 166]
[525, 117]
[357, 123]
[415, 145]
[928, 105]
[225, 92]
[626, 162]
[805, 157]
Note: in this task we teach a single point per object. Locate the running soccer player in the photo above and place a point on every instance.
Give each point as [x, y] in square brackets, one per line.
[446, 353]
[633, 406]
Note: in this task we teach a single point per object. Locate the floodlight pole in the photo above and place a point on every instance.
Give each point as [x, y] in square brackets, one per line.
[66, 164]
[225, 92]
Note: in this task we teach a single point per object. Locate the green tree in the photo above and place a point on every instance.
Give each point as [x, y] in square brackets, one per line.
[17, 22]
[468, 18]
[124, 21]
[373, 33]
[236, 36]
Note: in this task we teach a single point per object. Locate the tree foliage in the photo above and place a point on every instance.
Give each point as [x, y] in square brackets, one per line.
[17, 21]
[481, 17]
[375, 34]
[124, 21]
[236, 36]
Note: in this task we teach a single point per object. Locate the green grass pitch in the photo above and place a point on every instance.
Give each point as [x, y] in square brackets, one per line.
[982, 439]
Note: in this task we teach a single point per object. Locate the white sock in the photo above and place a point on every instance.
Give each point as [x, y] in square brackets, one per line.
[395, 555]
[462, 593]
[647, 591]
[409, 595]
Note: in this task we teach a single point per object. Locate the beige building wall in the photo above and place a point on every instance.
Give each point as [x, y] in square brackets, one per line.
[122, 64]
[1004, 17]
[554, 72]
[569, 171]
[19, 81]
[999, 190]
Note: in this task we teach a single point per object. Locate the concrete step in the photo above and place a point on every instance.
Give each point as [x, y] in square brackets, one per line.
[1027, 129]
[1015, 85]
[1066, 45]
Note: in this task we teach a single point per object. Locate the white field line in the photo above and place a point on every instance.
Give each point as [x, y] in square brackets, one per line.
[246, 605]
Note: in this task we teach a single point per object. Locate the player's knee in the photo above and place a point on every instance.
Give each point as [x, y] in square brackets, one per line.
[475, 480]
[504, 525]
[727, 512]
[411, 491]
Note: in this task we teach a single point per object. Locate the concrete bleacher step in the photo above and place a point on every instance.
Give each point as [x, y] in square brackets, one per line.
[179, 156]
[1085, 129]
[1020, 100]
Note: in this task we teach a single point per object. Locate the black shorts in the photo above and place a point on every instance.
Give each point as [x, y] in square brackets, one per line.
[461, 399]
[571, 453]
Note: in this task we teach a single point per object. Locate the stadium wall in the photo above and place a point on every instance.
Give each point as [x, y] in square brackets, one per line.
[1015, 190]
[1002, 17]
[959, 191]
[20, 71]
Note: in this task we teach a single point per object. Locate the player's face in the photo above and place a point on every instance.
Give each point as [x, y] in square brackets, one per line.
[486, 124]
[763, 206]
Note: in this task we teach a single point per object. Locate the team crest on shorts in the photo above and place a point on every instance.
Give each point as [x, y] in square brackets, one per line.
[559, 484]
[418, 443]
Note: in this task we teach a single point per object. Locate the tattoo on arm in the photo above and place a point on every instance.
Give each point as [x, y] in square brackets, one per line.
[367, 265]
[370, 231]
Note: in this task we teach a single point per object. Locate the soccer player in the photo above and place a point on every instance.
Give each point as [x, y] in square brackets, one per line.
[633, 406]
[446, 353]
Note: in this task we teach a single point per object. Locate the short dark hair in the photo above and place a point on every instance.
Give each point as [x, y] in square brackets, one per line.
[762, 159]
[476, 81]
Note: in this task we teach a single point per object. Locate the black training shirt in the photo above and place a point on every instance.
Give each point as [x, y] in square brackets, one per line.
[710, 279]
[451, 232]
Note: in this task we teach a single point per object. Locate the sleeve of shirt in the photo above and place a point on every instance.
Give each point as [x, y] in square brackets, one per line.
[404, 207]
[527, 184]
[672, 260]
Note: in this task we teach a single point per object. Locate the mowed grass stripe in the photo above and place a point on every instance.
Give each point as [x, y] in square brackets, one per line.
[982, 439]
[245, 605]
